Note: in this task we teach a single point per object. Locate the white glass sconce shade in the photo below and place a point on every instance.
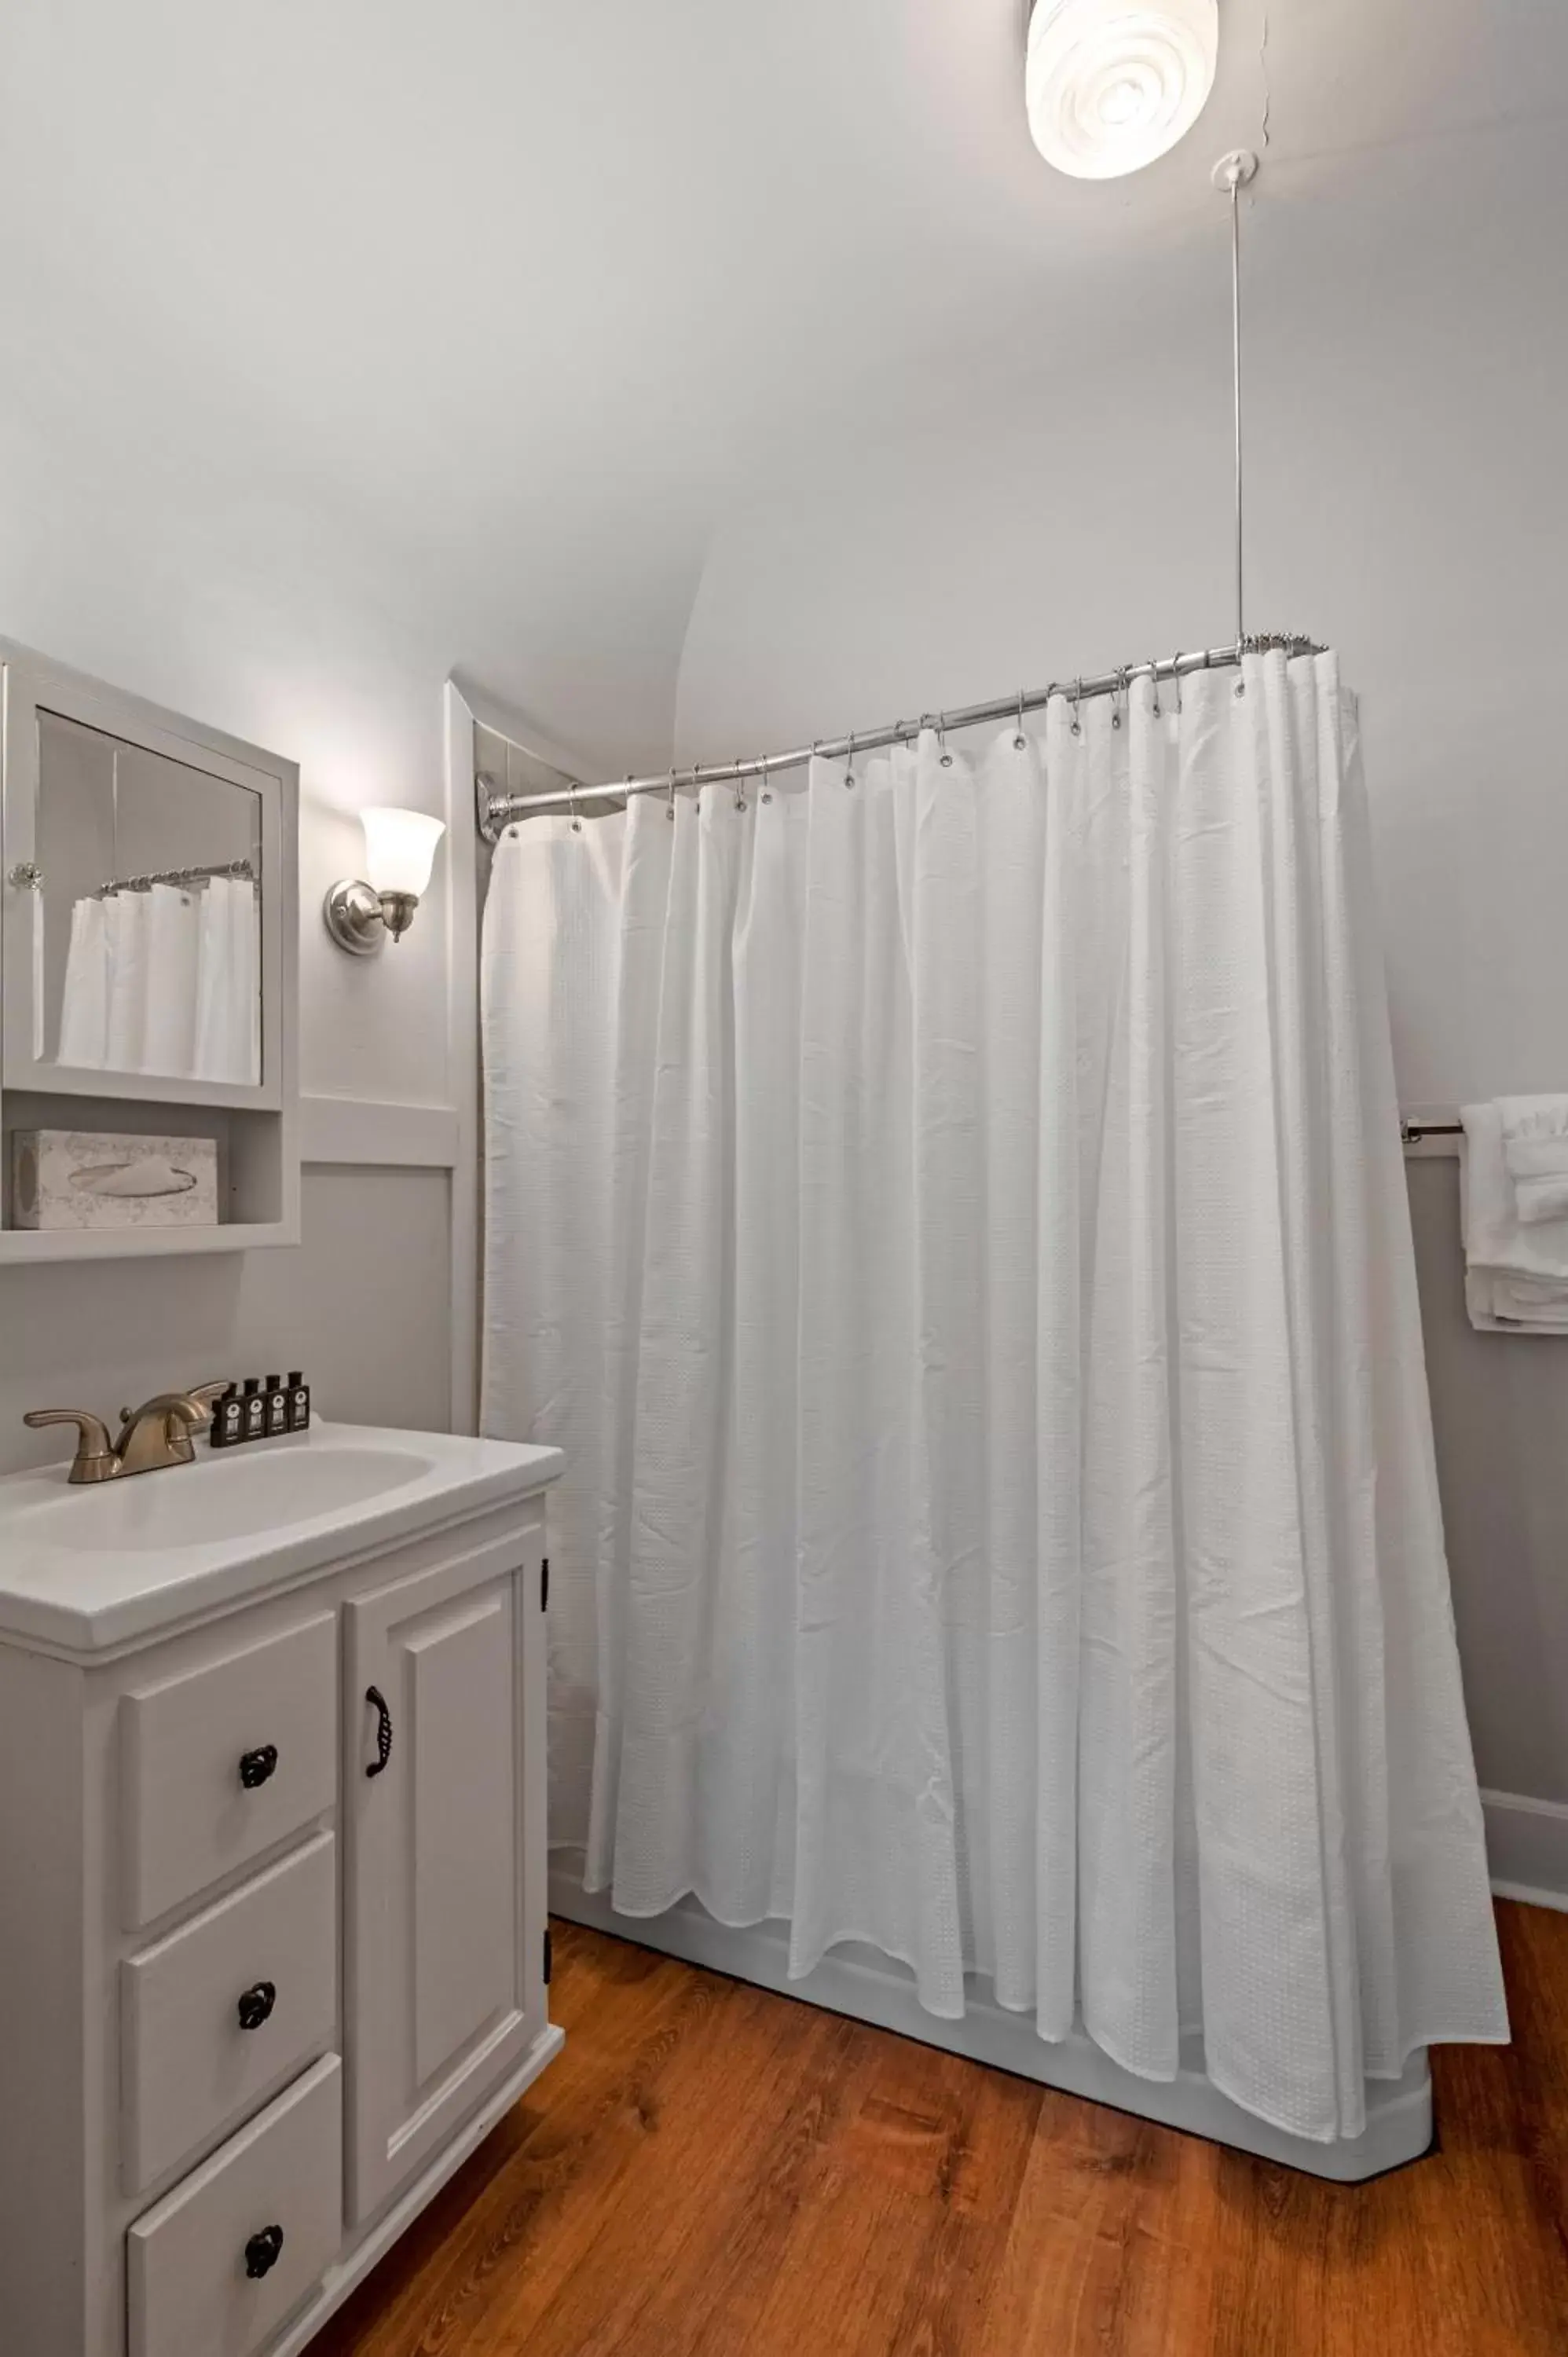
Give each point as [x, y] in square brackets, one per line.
[400, 848]
[1112, 84]
[399, 851]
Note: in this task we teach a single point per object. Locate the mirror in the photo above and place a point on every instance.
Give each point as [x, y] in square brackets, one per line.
[148, 956]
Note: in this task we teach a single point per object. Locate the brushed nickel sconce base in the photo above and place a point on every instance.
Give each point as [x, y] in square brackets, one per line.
[360, 920]
[353, 917]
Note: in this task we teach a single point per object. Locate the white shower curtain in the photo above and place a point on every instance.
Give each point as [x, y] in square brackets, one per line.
[167, 981]
[952, 1215]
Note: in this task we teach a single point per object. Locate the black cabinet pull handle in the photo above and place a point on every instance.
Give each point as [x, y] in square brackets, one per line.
[263, 2251]
[255, 1767]
[256, 2004]
[384, 1730]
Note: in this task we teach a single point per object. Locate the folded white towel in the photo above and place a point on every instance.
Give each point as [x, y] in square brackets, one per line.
[1535, 1150]
[1494, 1308]
[1515, 1274]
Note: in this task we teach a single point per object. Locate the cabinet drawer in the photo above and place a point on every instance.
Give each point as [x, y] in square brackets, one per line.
[275, 2187]
[223, 1762]
[193, 2058]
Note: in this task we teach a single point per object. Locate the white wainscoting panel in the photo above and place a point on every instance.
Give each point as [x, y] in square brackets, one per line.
[373, 1130]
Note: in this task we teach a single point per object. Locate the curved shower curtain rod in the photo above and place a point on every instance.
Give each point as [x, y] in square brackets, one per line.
[497, 810]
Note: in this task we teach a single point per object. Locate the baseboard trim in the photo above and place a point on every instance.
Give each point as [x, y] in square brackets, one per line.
[1527, 1895]
[868, 1986]
[376, 1131]
[1527, 1848]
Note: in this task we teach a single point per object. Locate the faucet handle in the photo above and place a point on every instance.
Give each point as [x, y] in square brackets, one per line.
[95, 1460]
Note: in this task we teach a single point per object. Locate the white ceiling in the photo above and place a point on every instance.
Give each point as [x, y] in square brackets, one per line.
[528, 296]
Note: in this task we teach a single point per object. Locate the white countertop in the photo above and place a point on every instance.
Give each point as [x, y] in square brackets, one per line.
[84, 1568]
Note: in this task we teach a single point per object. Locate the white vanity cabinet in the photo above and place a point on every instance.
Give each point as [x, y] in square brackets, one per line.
[273, 1946]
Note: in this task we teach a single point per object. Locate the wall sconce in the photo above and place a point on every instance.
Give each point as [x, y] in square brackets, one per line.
[400, 850]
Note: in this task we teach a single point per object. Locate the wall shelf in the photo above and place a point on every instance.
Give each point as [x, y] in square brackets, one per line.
[24, 1244]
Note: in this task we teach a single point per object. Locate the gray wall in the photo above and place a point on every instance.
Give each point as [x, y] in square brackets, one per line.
[289, 638]
[363, 1305]
[1499, 1411]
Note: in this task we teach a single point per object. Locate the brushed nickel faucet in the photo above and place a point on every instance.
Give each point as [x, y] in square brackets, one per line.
[154, 1434]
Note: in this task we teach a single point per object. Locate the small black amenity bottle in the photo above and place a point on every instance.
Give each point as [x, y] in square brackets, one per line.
[228, 1419]
[276, 1397]
[298, 1403]
[255, 1408]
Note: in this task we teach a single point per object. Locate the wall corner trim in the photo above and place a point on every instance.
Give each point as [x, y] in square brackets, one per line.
[1527, 1848]
[464, 1081]
[378, 1131]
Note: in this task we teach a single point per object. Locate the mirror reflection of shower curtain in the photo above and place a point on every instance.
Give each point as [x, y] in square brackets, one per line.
[165, 982]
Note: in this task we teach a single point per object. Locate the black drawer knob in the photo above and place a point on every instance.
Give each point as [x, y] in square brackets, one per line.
[255, 1767]
[256, 2004]
[263, 2251]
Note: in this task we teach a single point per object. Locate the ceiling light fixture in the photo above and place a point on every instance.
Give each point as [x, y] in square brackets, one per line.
[1112, 84]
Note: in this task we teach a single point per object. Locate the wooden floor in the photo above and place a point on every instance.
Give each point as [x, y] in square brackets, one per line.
[710, 2169]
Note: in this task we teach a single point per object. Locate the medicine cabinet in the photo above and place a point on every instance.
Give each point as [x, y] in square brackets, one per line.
[148, 921]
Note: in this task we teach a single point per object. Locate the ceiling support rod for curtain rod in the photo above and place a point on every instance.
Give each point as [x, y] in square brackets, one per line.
[1230, 175]
[497, 810]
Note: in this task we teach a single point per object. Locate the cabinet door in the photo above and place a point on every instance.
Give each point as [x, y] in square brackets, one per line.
[444, 1958]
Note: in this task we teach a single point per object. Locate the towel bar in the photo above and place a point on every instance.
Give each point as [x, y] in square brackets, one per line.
[1433, 1133]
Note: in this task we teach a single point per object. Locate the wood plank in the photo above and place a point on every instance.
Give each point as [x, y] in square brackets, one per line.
[711, 2170]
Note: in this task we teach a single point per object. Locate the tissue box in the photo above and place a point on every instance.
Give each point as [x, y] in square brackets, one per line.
[78, 1178]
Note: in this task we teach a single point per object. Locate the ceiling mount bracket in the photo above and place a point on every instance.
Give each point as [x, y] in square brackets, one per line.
[1233, 171]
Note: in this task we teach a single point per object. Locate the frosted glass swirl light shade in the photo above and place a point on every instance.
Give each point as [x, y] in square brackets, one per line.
[400, 849]
[1112, 84]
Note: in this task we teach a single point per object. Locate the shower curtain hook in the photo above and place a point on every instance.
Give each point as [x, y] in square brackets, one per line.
[943, 756]
[1175, 680]
[670, 799]
[1077, 729]
[1118, 692]
[849, 761]
[1155, 686]
[1020, 741]
[572, 805]
[767, 789]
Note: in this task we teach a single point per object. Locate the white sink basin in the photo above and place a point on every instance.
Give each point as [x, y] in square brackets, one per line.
[100, 1565]
[219, 1497]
